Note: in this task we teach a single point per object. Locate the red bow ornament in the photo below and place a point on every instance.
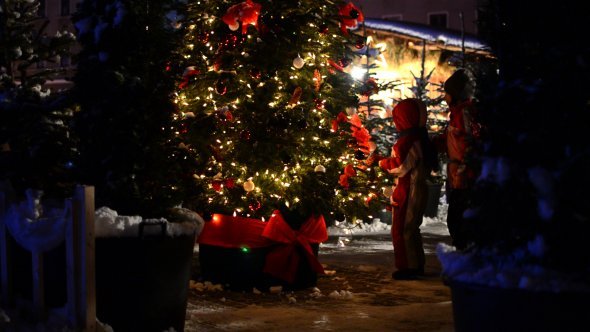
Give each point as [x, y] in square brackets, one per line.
[246, 12]
[189, 72]
[341, 118]
[219, 184]
[283, 260]
[360, 133]
[350, 17]
[348, 172]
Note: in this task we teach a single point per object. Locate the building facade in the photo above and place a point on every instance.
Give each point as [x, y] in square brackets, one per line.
[458, 15]
[57, 14]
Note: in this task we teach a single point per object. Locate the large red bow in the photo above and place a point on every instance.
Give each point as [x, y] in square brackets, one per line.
[283, 260]
[246, 12]
[233, 232]
[350, 17]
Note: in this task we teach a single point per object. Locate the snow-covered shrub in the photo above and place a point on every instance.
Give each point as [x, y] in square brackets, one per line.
[533, 188]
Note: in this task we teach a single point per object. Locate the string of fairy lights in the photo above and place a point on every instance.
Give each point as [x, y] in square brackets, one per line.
[313, 135]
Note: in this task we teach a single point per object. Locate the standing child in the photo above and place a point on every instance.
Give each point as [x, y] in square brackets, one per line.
[457, 142]
[412, 159]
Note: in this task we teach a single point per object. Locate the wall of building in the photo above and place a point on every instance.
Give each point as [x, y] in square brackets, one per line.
[58, 14]
[418, 11]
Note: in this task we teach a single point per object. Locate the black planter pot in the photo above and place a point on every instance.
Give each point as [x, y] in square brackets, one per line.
[142, 282]
[484, 308]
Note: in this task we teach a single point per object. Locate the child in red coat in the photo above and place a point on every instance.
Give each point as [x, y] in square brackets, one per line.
[411, 161]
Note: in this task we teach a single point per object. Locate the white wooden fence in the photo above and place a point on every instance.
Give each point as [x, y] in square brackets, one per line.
[79, 263]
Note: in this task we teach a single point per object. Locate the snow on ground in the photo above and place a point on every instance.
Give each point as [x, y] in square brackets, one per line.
[375, 236]
[350, 238]
[436, 225]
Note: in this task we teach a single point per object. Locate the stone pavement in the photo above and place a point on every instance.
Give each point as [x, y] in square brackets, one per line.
[357, 294]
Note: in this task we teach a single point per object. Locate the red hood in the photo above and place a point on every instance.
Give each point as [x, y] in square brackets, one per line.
[409, 113]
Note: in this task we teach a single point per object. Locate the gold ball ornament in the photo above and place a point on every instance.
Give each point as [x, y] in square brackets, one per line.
[234, 27]
[249, 186]
[298, 62]
[319, 169]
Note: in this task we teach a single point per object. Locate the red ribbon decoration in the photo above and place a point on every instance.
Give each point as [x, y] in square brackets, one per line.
[350, 17]
[186, 76]
[348, 172]
[360, 133]
[246, 12]
[335, 65]
[339, 119]
[234, 232]
[283, 260]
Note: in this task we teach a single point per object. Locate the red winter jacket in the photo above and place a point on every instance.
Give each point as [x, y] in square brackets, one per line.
[407, 153]
[457, 136]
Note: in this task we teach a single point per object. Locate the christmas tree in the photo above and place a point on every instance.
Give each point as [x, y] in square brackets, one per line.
[262, 107]
[375, 114]
[37, 149]
[436, 119]
[127, 147]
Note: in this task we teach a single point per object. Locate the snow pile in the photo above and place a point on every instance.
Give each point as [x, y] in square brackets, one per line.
[433, 225]
[513, 270]
[108, 223]
[35, 227]
[346, 228]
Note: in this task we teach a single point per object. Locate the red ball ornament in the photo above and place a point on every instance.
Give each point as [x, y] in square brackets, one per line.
[230, 183]
[203, 37]
[319, 103]
[360, 44]
[245, 135]
[255, 73]
[255, 205]
[221, 87]
[217, 185]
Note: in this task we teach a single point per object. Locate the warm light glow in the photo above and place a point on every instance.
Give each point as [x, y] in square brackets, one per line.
[358, 72]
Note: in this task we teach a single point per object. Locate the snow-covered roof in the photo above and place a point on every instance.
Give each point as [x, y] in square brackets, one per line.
[428, 33]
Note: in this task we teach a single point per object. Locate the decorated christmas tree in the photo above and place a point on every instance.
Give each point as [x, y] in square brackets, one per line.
[36, 146]
[127, 144]
[436, 119]
[265, 107]
[375, 114]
